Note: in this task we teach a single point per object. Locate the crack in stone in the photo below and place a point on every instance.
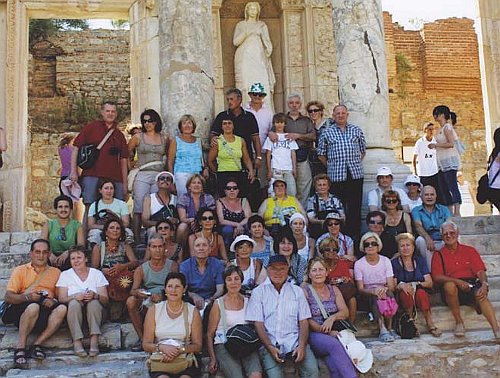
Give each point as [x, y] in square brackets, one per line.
[367, 42]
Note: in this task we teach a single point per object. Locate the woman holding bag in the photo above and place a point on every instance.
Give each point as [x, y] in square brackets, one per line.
[173, 333]
[227, 312]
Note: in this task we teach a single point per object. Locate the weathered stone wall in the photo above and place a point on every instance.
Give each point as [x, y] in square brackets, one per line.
[444, 61]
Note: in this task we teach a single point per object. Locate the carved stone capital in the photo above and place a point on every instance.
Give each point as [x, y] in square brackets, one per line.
[292, 4]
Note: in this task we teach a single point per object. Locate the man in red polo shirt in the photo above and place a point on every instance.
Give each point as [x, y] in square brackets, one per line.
[461, 273]
[112, 161]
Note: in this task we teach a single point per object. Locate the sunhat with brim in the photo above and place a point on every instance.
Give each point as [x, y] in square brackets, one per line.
[71, 189]
[360, 355]
[164, 173]
[239, 239]
[413, 179]
[384, 171]
[334, 215]
[257, 88]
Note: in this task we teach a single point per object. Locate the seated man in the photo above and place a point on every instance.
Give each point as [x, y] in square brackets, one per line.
[280, 312]
[149, 282]
[30, 291]
[375, 220]
[384, 179]
[428, 219]
[461, 273]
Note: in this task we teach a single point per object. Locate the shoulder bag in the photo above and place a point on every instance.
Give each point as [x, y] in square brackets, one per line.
[483, 187]
[133, 172]
[119, 283]
[155, 362]
[89, 153]
[242, 339]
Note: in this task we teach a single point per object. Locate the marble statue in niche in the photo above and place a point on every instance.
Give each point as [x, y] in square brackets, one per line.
[252, 59]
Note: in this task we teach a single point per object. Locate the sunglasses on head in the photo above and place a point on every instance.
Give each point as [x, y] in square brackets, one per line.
[209, 218]
[370, 244]
[165, 178]
[313, 111]
[376, 222]
[258, 94]
[391, 200]
[232, 187]
[333, 223]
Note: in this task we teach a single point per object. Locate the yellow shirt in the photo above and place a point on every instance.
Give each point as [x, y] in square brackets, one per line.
[287, 207]
[229, 155]
[24, 275]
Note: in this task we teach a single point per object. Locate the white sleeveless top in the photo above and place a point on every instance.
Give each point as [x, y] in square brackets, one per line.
[168, 328]
[233, 317]
[304, 252]
[249, 274]
[157, 205]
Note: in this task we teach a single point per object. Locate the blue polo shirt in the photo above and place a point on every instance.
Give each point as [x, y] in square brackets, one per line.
[203, 284]
[431, 221]
[417, 275]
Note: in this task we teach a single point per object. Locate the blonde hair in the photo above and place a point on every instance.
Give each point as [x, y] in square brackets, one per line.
[367, 236]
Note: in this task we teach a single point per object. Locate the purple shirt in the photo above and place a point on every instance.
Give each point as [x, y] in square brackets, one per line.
[330, 305]
[186, 202]
[65, 156]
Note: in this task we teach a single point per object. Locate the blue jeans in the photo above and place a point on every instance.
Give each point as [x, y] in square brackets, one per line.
[448, 188]
[308, 367]
[336, 358]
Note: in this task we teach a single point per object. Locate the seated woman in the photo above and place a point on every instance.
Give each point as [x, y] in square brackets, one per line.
[340, 273]
[189, 204]
[84, 290]
[105, 208]
[166, 331]
[322, 203]
[322, 337]
[286, 245]
[375, 281]
[173, 250]
[263, 244]
[276, 211]
[396, 221]
[233, 212]
[305, 244]
[62, 233]
[231, 308]
[332, 225]
[207, 220]
[115, 258]
[161, 205]
[413, 187]
[203, 274]
[412, 278]
[242, 247]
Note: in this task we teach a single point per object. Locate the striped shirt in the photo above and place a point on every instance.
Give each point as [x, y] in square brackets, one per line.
[280, 312]
[344, 151]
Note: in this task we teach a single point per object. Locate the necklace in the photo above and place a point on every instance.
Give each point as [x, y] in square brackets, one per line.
[172, 311]
[110, 248]
[212, 237]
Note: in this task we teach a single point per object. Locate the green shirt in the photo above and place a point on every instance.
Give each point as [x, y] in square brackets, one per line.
[62, 241]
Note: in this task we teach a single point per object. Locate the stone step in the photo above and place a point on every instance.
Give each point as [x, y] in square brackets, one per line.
[485, 244]
[478, 225]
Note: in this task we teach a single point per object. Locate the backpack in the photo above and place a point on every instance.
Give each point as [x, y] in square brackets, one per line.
[405, 325]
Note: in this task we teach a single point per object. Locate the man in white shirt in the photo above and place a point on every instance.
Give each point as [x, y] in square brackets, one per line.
[384, 179]
[280, 312]
[424, 158]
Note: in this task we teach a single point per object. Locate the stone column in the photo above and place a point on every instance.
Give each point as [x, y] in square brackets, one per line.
[144, 57]
[220, 98]
[489, 13]
[186, 69]
[362, 72]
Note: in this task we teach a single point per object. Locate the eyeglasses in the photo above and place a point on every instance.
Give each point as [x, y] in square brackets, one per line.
[379, 223]
[231, 187]
[370, 244]
[330, 224]
[161, 228]
[314, 111]
[258, 94]
[391, 200]
[209, 218]
[62, 234]
[144, 121]
[323, 250]
[412, 184]
[165, 178]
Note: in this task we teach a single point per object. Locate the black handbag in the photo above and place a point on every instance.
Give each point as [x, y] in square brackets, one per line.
[483, 187]
[89, 153]
[405, 325]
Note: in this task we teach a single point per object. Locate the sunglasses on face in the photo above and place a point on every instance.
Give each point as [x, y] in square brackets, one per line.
[144, 121]
[379, 223]
[231, 187]
[330, 224]
[412, 184]
[310, 111]
[165, 178]
[391, 200]
[258, 94]
[324, 250]
[209, 218]
[370, 244]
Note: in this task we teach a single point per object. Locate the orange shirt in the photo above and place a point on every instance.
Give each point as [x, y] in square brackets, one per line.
[24, 275]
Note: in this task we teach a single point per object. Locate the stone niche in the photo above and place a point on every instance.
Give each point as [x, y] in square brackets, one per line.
[303, 55]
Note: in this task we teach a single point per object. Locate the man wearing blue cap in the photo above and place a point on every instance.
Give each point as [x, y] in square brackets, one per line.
[280, 313]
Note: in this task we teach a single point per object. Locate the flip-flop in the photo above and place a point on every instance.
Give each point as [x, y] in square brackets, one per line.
[435, 331]
[386, 337]
[394, 334]
[80, 353]
[93, 352]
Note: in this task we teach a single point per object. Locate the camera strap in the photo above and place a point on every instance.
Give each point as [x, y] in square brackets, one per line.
[36, 281]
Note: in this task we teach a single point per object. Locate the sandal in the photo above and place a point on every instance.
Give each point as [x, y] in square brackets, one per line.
[37, 352]
[20, 359]
[80, 353]
[435, 331]
[94, 351]
[394, 334]
[459, 330]
[386, 337]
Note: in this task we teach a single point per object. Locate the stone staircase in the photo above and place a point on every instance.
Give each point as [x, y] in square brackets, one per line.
[477, 354]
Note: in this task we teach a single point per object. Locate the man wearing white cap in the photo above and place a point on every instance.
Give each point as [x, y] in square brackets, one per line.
[384, 179]
[424, 158]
